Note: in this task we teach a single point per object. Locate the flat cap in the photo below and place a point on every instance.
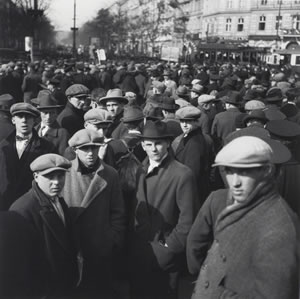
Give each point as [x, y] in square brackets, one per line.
[283, 128]
[254, 105]
[195, 81]
[50, 162]
[278, 77]
[97, 116]
[188, 113]
[85, 137]
[206, 98]
[197, 88]
[250, 151]
[77, 90]
[24, 108]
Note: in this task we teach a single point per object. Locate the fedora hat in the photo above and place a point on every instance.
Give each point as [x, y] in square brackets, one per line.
[6, 101]
[233, 97]
[114, 94]
[182, 91]
[168, 104]
[132, 113]
[197, 88]
[45, 100]
[156, 130]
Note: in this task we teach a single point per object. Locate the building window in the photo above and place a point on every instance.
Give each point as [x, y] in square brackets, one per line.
[262, 23]
[229, 3]
[296, 22]
[240, 26]
[278, 22]
[264, 2]
[228, 24]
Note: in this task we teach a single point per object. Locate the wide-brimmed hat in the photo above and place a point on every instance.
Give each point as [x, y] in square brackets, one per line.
[114, 95]
[182, 91]
[156, 130]
[50, 162]
[256, 114]
[168, 104]
[250, 151]
[233, 97]
[132, 113]
[45, 100]
[6, 101]
[274, 94]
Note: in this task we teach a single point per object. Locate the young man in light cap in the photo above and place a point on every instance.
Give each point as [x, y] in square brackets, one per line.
[164, 212]
[17, 151]
[46, 211]
[244, 239]
[93, 194]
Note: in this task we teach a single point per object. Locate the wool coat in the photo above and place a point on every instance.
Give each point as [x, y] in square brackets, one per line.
[15, 173]
[98, 216]
[193, 151]
[253, 253]
[71, 119]
[57, 136]
[56, 255]
[163, 215]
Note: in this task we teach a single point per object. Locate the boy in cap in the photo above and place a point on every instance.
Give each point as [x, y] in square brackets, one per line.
[47, 213]
[17, 151]
[249, 230]
[71, 118]
[164, 212]
[93, 194]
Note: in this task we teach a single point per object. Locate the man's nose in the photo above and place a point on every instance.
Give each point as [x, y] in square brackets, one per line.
[236, 181]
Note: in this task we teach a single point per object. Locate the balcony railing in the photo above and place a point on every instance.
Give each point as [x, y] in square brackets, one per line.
[269, 4]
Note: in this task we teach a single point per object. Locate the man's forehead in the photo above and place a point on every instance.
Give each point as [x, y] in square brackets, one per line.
[113, 102]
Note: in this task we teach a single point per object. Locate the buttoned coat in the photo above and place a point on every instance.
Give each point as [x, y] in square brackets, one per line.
[254, 251]
[57, 136]
[164, 214]
[98, 217]
[15, 173]
[57, 258]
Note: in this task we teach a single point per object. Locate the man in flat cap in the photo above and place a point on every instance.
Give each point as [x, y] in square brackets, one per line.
[164, 213]
[46, 211]
[93, 194]
[244, 239]
[192, 149]
[17, 151]
[71, 118]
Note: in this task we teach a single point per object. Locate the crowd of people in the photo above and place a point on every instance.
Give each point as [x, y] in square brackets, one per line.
[120, 178]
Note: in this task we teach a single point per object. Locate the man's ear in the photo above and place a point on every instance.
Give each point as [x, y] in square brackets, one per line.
[269, 170]
[13, 120]
[35, 176]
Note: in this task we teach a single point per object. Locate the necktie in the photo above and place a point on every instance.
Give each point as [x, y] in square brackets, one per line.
[43, 131]
[20, 138]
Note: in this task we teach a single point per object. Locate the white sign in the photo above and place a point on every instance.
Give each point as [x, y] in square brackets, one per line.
[101, 54]
[28, 43]
[170, 53]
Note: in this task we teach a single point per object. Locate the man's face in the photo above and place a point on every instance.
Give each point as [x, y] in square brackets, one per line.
[187, 125]
[48, 116]
[82, 102]
[88, 155]
[113, 107]
[51, 183]
[24, 123]
[155, 149]
[242, 181]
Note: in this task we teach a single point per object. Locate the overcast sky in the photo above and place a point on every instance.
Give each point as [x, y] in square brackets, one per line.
[61, 11]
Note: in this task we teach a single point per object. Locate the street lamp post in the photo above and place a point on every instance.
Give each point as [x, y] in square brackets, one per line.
[35, 13]
[278, 23]
[74, 29]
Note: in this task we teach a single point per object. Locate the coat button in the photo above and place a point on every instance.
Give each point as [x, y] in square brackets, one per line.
[206, 284]
[223, 257]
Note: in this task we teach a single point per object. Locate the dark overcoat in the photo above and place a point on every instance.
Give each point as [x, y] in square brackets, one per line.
[15, 173]
[71, 119]
[254, 252]
[57, 257]
[164, 214]
[57, 136]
